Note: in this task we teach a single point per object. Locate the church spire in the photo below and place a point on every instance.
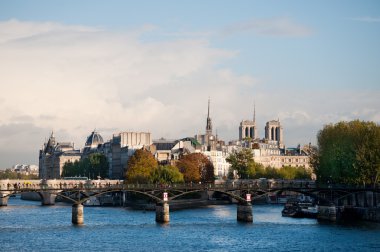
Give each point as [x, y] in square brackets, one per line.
[208, 108]
[208, 123]
[254, 111]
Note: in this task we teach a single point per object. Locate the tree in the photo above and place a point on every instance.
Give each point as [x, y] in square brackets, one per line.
[289, 172]
[348, 152]
[94, 165]
[368, 154]
[243, 163]
[98, 165]
[9, 174]
[196, 167]
[140, 166]
[166, 175]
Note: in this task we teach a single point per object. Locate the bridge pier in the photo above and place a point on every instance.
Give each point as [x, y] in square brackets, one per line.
[244, 212]
[162, 212]
[47, 198]
[327, 213]
[369, 198]
[77, 214]
[4, 196]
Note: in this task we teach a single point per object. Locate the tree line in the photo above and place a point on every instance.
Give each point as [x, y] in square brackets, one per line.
[243, 166]
[93, 166]
[8, 174]
[142, 167]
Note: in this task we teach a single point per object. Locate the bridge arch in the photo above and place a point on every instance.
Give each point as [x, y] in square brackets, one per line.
[228, 193]
[86, 197]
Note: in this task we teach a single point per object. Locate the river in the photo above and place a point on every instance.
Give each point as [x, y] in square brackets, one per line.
[28, 226]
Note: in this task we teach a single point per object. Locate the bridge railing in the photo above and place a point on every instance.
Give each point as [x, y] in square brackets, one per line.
[255, 184]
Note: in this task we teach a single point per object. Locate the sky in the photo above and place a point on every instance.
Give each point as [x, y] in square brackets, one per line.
[151, 66]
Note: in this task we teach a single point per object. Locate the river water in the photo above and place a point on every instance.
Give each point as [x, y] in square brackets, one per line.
[28, 226]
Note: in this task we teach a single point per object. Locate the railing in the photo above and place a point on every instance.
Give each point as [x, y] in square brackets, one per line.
[258, 184]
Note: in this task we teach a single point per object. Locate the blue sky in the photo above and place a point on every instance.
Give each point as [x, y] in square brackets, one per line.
[151, 66]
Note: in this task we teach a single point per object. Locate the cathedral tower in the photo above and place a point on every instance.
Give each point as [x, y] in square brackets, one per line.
[247, 128]
[274, 132]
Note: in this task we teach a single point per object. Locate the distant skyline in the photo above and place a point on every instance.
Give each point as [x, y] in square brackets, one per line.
[73, 66]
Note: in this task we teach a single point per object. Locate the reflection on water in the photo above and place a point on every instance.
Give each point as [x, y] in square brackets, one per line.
[28, 226]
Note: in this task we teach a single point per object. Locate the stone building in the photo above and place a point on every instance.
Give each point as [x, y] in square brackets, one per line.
[122, 146]
[274, 132]
[53, 156]
[248, 129]
[269, 151]
[218, 159]
[281, 157]
[93, 143]
[169, 151]
[208, 140]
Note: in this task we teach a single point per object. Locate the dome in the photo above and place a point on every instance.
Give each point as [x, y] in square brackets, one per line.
[94, 140]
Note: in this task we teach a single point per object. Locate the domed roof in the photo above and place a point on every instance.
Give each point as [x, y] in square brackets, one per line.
[94, 140]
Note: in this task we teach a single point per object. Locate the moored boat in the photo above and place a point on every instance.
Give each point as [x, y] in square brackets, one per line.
[298, 209]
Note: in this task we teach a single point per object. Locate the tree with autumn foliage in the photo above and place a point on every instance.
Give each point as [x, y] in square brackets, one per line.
[196, 167]
[140, 167]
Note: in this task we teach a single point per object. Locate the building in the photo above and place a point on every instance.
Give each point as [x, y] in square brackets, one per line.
[281, 157]
[218, 159]
[207, 140]
[25, 169]
[93, 143]
[53, 156]
[248, 129]
[169, 151]
[274, 132]
[269, 151]
[122, 146]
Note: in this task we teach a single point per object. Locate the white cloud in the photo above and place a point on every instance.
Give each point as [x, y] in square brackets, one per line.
[72, 79]
[276, 27]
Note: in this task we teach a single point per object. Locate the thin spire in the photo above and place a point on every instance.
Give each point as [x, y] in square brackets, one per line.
[208, 108]
[254, 111]
[208, 121]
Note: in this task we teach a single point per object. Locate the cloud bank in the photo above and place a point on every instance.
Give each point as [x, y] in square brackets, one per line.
[72, 79]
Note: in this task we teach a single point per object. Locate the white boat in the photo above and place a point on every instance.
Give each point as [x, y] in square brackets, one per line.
[92, 201]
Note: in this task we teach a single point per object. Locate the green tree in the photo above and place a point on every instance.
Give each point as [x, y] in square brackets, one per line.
[271, 173]
[166, 175]
[367, 164]
[196, 167]
[348, 152]
[8, 174]
[140, 166]
[94, 165]
[289, 172]
[97, 165]
[242, 162]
